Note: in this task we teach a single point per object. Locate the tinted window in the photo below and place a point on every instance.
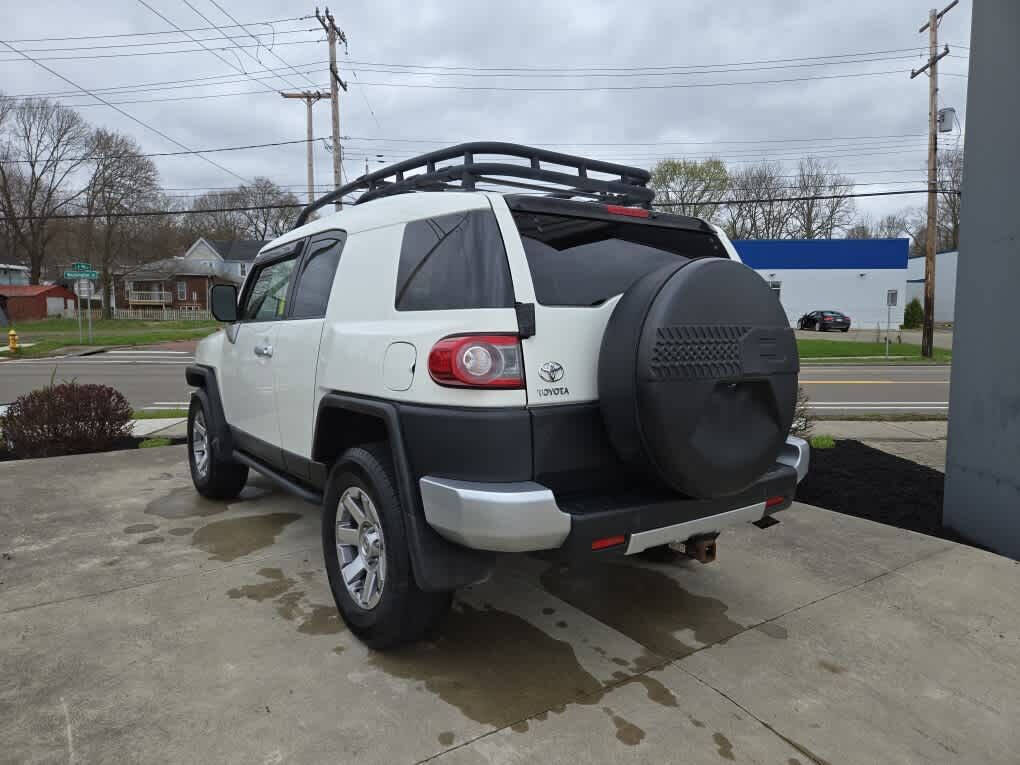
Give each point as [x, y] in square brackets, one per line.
[453, 261]
[267, 298]
[581, 261]
[311, 293]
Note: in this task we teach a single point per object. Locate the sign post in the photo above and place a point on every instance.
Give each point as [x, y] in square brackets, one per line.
[83, 275]
[890, 301]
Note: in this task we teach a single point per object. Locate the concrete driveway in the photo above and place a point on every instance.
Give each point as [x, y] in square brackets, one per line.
[140, 623]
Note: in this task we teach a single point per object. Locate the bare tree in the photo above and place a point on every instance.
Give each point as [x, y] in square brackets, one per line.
[949, 170]
[42, 146]
[690, 187]
[266, 219]
[759, 206]
[217, 219]
[825, 206]
[122, 180]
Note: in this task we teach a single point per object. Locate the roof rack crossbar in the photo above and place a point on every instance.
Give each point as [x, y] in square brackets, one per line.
[628, 187]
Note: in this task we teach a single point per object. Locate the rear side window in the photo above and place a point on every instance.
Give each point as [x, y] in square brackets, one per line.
[579, 261]
[311, 293]
[453, 261]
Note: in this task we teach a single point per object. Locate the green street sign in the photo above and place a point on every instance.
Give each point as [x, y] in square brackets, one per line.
[81, 274]
[81, 266]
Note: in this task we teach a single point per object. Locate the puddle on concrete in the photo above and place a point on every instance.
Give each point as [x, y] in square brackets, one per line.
[696, 722]
[520, 727]
[495, 667]
[140, 528]
[626, 731]
[793, 761]
[315, 618]
[150, 540]
[776, 631]
[446, 738]
[185, 502]
[230, 539]
[183, 531]
[646, 605]
[724, 747]
[832, 667]
[276, 585]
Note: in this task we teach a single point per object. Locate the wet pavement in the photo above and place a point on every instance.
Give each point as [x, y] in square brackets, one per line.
[139, 622]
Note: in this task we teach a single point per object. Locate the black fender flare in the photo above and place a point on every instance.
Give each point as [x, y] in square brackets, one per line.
[204, 379]
[438, 564]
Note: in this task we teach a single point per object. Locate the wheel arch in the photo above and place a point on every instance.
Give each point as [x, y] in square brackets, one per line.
[204, 379]
[437, 563]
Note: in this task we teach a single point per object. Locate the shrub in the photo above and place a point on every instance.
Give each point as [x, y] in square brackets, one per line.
[69, 418]
[803, 422]
[913, 314]
[823, 442]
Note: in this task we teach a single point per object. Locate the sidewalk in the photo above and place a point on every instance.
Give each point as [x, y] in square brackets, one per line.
[923, 441]
[168, 427]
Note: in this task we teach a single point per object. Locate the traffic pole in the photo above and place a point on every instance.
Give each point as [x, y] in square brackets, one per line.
[81, 337]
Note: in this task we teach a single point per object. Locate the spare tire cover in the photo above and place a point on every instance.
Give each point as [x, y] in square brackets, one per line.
[698, 376]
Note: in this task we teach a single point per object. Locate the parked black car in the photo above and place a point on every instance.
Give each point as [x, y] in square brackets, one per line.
[824, 321]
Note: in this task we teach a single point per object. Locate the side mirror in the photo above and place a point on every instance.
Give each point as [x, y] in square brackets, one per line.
[224, 302]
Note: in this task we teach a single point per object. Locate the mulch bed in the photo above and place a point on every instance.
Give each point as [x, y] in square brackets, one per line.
[855, 479]
[131, 442]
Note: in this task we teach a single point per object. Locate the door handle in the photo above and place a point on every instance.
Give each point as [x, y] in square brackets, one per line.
[265, 351]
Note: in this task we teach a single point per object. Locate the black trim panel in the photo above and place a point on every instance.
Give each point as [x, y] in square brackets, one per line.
[263, 451]
[204, 377]
[279, 478]
[467, 443]
[601, 516]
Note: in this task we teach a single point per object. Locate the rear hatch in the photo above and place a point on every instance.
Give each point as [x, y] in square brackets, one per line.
[582, 257]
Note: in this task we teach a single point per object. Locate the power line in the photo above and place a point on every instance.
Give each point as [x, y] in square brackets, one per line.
[168, 42]
[242, 48]
[156, 52]
[140, 34]
[116, 108]
[270, 50]
[292, 205]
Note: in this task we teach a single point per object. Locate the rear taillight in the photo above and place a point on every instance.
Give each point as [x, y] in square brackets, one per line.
[630, 212]
[477, 361]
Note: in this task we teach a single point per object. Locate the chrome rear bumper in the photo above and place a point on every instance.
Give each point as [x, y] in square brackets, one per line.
[524, 516]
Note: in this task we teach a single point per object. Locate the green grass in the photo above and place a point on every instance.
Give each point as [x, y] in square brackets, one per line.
[148, 443]
[882, 416]
[823, 349]
[50, 335]
[158, 414]
[822, 442]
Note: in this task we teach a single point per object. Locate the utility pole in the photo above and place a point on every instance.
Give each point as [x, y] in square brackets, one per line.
[928, 326]
[309, 97]
[332, 35]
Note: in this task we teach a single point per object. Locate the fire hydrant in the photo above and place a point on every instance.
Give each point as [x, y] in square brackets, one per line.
[12, 340]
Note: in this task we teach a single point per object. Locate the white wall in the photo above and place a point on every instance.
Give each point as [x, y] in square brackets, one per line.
[945, 283]
[859, 293]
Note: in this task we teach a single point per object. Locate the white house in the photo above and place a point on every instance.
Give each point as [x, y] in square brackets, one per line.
[858, 277]
[13, 274]
[945, 283]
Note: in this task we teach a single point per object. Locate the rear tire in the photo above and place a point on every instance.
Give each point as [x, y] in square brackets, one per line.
[366, 553]
[213, 476]
[845, 329]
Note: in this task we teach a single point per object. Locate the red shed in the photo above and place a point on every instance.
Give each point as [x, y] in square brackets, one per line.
[34, 301]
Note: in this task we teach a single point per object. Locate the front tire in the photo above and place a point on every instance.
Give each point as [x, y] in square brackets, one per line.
[214, 476]
[366, 553]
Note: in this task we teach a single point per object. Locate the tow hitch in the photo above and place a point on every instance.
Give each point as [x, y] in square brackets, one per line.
[700, 548]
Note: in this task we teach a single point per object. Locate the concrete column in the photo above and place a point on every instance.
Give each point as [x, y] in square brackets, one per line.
[982, 499]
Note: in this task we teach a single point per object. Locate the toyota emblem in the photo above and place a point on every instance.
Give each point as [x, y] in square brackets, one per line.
[551, 371]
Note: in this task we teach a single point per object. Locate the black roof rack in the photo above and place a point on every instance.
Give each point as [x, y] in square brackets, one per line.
[629, 187]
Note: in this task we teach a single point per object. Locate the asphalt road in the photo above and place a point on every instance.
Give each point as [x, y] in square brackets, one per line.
[154, 379]
[892, 389]
[148, 378]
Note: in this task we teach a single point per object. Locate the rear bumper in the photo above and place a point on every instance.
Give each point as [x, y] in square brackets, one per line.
[526, 516]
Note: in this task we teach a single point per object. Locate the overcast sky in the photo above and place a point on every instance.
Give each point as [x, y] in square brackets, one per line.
[677, 42]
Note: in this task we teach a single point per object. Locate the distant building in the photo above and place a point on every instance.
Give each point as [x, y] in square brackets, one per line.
[184, 282]
[945, 284]
[13, 274]
[34, 301]
[854, 276]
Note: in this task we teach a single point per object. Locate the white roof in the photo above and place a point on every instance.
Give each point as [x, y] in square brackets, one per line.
[13, 267]
[387, 211]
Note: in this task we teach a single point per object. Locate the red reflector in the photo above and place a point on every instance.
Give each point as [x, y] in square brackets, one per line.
[477, 361]
[773, 501]
[630, 212]
[602, 544]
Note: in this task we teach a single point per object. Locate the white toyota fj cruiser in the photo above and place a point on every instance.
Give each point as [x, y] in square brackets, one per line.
[455, 376]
